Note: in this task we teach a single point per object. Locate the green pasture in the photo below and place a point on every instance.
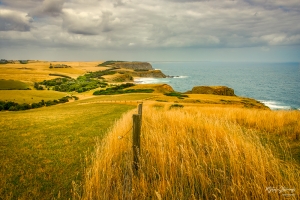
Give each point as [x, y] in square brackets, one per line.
[30, 96]
[12, 85]
[43, 150]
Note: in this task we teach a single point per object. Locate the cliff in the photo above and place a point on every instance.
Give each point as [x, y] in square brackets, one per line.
[158, 88]
[150, 74]
[217, 90]
[134, 65]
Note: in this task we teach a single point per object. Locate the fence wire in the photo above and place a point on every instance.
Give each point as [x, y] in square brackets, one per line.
[122, 136]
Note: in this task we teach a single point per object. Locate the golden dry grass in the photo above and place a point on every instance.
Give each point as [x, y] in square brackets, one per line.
[30, 96]
[36, 71]
[202, 153]
[212, 100]
[85, 66]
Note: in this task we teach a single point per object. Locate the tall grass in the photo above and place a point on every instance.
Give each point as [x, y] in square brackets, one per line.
[195, 154]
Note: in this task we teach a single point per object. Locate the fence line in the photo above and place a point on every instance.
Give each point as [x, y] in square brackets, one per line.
[136, 139]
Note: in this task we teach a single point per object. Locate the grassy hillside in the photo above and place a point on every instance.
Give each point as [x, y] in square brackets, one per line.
[12, 85]
[36, 71]
[134, 97]
[30, 96]
[203, 153]
[42, 151]
[194, 146]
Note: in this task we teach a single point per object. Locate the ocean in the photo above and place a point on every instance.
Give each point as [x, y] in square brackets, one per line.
[277, 85]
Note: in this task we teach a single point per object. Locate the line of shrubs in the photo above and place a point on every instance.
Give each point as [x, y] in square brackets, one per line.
[61, 75]
[119, 89]
[13, 106]
[176, 94]
[112, 92]
[83, 83]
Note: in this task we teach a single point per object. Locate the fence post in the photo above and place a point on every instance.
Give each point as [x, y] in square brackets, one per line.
[140, 109]
[136, 145]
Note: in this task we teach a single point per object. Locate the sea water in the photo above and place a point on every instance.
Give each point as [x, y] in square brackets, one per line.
[277, 85]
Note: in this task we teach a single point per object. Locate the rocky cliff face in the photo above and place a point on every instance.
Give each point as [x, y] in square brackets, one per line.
[217, 90]
[134, 65]
[150, 74]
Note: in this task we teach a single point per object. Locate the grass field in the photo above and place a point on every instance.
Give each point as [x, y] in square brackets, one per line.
[214, 147]
[120, 97]
[37, 71]
[199, 153]
[12, 85]
[30, 96]
[42, 150]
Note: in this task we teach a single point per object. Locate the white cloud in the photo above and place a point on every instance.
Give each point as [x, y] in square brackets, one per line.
[88, 23]
[49, 8]
[152, 24]
[11, 20]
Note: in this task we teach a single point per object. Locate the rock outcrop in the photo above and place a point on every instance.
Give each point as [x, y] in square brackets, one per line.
[134, 65]
[164, 88]
[149, 74]
[158, 88]
[217, 90]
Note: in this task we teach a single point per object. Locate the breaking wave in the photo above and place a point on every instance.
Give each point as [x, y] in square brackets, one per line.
[275, 105]
[150, 80]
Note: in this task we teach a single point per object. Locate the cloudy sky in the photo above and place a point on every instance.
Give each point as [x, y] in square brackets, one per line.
[151, 30]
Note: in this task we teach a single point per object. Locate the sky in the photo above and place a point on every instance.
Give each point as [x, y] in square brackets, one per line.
[151, 30]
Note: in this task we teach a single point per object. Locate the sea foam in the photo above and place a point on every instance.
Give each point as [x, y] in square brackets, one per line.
[275, 105]
[149, 80]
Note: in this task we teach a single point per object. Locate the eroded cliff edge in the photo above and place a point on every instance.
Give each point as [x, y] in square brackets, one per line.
[217, 90]
[138, 69]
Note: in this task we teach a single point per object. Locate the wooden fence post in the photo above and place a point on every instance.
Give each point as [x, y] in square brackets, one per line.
[140, 109]
[136, 145]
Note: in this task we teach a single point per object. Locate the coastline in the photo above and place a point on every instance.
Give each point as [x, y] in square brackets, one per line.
[276, 84]
[272, 104]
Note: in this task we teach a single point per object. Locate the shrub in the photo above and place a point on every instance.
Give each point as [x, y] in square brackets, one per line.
[64, 100]
[36, 105]
[9, 104]
[50, 103]
[13, 108]
[176, 94]
[61, 75]
[24, 106]
[176, 106]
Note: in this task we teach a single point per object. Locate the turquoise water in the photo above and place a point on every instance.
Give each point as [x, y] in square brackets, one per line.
[277, 85]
